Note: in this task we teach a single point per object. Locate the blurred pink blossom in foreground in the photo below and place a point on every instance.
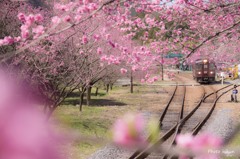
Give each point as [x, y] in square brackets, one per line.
[128, 131]
[25, 134]
[201, 145]
[24, 131]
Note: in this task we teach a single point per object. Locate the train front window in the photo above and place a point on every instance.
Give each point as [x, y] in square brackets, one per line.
[198, 66]
[212, 66]
[205, 66]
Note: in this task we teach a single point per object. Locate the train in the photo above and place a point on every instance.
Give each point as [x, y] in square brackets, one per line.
[204, 71]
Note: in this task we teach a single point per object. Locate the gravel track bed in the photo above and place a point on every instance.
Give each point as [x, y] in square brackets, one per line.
[223, 120]
[221, 124]
[115, 152]
[110, 152]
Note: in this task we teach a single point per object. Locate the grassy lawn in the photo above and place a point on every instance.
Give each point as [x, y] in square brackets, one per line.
[94, 122]
[90, 123]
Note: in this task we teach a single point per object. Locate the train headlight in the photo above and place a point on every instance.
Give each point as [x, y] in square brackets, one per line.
[211, 72]
[204, 61]
[199, 73]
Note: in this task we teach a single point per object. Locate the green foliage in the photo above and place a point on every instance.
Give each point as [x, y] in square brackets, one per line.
[153, 130]
[236, 140]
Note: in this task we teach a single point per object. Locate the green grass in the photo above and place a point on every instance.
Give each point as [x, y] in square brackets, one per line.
[93, 124]
[87, 122]
[90, 123]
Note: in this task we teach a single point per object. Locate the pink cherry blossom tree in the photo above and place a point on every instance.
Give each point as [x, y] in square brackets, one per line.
[76, 43]
[163, 27]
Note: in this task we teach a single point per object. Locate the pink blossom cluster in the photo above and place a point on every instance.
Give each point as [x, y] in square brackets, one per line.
[38, 31]
[96, 37]
[56, 20]
[170, 75]
[82, 6]
[199, 145]
[135, 68]
[111, 59]
[149, 79]
[28, 22]
[152, 80]
[8, 40]
[79, 9]
[128, 131]
[99, 51]
[86, 8]
[123, 70]
[84, 39]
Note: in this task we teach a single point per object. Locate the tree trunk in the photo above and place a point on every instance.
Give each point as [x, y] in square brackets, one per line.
[89, 90]
[81, 96]
[81, 101]
[107, 88]
[111, 86]
[96, 93]
[131, 83]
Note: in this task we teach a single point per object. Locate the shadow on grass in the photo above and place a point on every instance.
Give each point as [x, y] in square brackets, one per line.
[105, 102]
[76, 94]
[70, 101]
[94, 102]
[73, 94]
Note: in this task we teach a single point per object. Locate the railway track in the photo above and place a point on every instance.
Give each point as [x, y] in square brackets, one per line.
[173, 112]
[166, 111]
[208, 111]
[193, 122]
[179, 126]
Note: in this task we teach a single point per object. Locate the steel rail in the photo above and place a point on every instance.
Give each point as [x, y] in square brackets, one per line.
[167, 106]
[216, 91]
[205, 119]
[178, 128]
[198, 128]
[137, 152]
[173, 129]
[177, 131]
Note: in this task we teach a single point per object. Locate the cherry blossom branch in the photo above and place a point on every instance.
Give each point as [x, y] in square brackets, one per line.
[210, 9]
[87, 18]
[211, 37]
[222, 6]
[10, 54]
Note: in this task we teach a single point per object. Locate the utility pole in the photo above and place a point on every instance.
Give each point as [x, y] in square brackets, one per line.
[162, 68]
[131, 82]
[131, 79]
